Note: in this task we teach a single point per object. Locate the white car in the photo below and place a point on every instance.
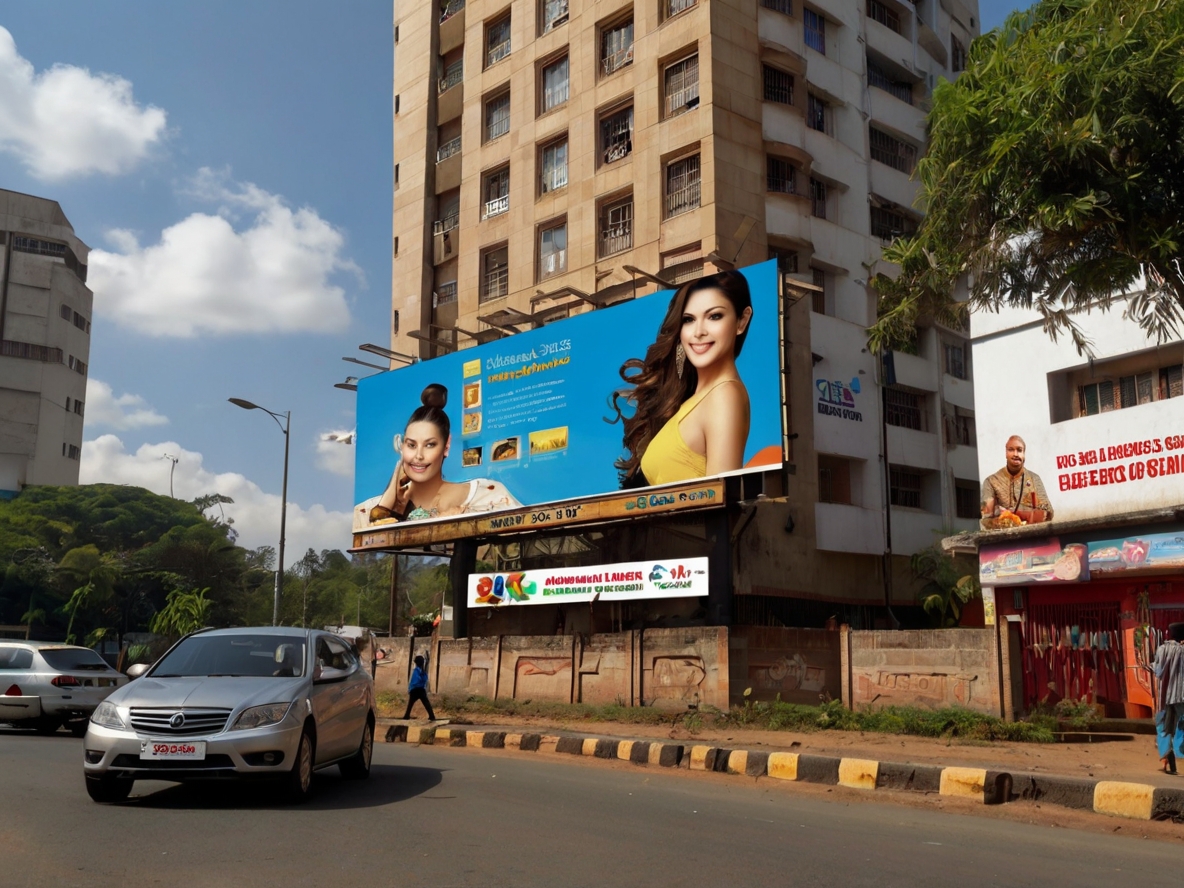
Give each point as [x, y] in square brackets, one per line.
[45, 685]
[275, 702]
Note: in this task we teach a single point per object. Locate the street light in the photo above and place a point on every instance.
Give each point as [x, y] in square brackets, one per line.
[279, 575]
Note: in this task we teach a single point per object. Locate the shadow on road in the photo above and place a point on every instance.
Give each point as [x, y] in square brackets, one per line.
[388, 784]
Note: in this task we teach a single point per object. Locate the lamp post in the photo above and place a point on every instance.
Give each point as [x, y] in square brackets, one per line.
[279, 574]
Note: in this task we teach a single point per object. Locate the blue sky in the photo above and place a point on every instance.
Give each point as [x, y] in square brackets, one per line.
[230, 165]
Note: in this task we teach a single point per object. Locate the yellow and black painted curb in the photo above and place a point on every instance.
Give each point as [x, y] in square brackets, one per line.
[1138, 801]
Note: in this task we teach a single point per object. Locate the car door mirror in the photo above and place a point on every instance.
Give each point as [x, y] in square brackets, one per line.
[137, 669]
[328, 674]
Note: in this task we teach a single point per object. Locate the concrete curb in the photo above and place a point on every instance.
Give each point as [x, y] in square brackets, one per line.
[1138, 801]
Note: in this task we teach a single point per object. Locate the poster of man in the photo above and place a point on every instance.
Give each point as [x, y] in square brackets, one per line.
[1014, 495]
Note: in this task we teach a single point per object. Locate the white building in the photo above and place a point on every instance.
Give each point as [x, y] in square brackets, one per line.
[45, 314]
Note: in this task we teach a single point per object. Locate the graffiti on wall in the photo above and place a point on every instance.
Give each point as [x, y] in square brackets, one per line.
[790, 673]
[917, 688]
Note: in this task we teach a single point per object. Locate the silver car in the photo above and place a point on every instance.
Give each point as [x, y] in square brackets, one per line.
[45, 685]
[274, 702]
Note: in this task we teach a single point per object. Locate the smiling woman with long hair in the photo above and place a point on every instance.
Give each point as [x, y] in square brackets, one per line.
[417, 489]
[691, 411]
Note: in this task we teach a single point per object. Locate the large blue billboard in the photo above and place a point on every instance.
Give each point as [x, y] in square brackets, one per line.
[666, 388]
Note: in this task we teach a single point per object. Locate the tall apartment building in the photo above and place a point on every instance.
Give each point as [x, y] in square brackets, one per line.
[45, 311]
[554, 156]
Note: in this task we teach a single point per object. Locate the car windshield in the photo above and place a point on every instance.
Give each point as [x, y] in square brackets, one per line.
[256, 656]
[74, 660]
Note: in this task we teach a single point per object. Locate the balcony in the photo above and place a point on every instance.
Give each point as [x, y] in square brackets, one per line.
[449, 8]
[617, 60]
[452, 75]
[449, 148]
[445, 239]
[496, 206]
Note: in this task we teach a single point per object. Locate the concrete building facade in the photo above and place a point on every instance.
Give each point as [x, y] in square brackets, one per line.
[556, 156]
[45, 318]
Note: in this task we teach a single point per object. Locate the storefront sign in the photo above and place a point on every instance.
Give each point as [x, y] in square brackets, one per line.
[680, 497]
[1043, 562]
[1144, 552]
[672, 578]
[532, 419]
[838, 399]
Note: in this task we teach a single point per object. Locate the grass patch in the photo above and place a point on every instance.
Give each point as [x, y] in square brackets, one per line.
[946, 723]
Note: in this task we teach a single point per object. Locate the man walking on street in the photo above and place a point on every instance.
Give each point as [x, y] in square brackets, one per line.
[417, 689]
[1169, 670]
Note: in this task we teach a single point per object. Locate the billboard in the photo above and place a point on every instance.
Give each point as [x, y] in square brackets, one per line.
[1045, 561]
[601, 403]
[671, 578]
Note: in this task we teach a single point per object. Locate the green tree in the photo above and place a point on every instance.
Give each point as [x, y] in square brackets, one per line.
[1054, 176]
[948, 584]
[185, 611]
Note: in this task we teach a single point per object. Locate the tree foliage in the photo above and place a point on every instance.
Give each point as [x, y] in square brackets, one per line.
[1054, 176]
[948, 584]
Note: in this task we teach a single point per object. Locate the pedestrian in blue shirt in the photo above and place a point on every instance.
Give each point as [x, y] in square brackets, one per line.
[417, 689]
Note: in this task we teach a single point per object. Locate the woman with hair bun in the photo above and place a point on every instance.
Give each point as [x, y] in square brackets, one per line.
[691, 411]
[417, 489]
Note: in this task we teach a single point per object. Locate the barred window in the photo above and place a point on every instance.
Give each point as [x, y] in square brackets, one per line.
[497, 193]
[495, 273]
[955, 356]
[878, 77]
[553, 250]
[818, 114]
[616, 135]
[814, 26]
[893, 152]
[616, 47]
[905, 488]
[780, 175]
[888, 224]
[555, 85]
[497, 117]
[616, 227]
[818, 198]
[884, 14]
[783, 6]
[902, 408]
[957, 55]
[553, 166]
[554, 14]
[682, 186]
[778, 85]
[681, 85]
[497, 41]
[966, 499]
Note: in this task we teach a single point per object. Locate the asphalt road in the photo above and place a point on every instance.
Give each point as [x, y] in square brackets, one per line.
[440, 817]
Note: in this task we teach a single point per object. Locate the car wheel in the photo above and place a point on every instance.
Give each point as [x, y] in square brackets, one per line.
[358, 766]
[107, 789]
[46, 726]
[78, 728]
[298, 783]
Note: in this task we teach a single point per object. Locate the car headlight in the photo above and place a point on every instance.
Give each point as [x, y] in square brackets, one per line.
[108, 716]
[261, 716]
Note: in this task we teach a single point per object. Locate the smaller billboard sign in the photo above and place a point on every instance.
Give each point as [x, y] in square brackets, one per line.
[1042, 562]
[1148, 551]
[668, 578]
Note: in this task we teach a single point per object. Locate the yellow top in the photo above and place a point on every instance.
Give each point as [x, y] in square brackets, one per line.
[668, 459]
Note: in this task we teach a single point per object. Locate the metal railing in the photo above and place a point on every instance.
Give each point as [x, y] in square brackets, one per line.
[616, 239]
[449, 148]
[888, 225]
[554, 177]
[31, 351]
[552, 263]
[778, 86]
[497, 283]
[892, 152]
[783, 6]
[818, 198]
[452, 75]
[497, 206]
[780, 176]
[498, 127]
[449, 8]
[878, 77]
[674, 7]
[445, 294]
[886, 16]
[448, 223]
[683, 99]
[902, 409]
[617, 60]
[554, 14]
[683, 199]
[497, 53]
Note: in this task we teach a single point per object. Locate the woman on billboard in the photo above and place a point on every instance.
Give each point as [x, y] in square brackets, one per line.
[691, 413]
[417, 489]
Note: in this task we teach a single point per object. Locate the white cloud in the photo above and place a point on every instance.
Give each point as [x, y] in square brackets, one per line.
[127, 411]
[204, 276]
[256, 514]
[335, 452]
[68, 122]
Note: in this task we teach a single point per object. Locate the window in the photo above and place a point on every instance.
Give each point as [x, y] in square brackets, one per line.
[681, 82]
[497, 117]
[555, 85]
[77, 366]
[682, 185]
[903, 408]
[11, 349]
[448, 148]
[1127, 391]
[834, 479]
[395, 247]
[451, 75]
[787, 260]
[966, 499]
[444, 294]
[67, 403]
[818, 114]
[616, 46]
[889, 224]
[449, 209]
[814, 26]
[818, 298]
[396, 104]
[817, 198]
[778, 85]
[955, 355]
[554, 14]
[81, 323]
[683, 264]
[779, 175]
[674, 7]
[883, 14]
[553, 166]
[616, 135]
[1171, 382]
[553, 250]
[957, 55]
[396, 175]
[904, 488]
[892, 152]
[961, 429]
[73, 452]
[38, 247]
[496, 193]
[878, 77]
[782, 6]
[616, 226]
[497, 41]
[495, 273]
[66, 312]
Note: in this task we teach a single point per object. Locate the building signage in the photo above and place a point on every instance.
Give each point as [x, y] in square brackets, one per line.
[1026, 563]
[671, 578]
[836, 398]
[540, 418]
[1143, 552]
[1122, 463]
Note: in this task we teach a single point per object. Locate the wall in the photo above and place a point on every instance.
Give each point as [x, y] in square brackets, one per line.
[666, 668]
[924, 667]
[793, 665]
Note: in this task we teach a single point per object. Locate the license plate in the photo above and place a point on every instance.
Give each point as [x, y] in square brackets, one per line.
[173, 750]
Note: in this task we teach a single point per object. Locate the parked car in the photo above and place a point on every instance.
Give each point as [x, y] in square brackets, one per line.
[47, 685]
[272, 702]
